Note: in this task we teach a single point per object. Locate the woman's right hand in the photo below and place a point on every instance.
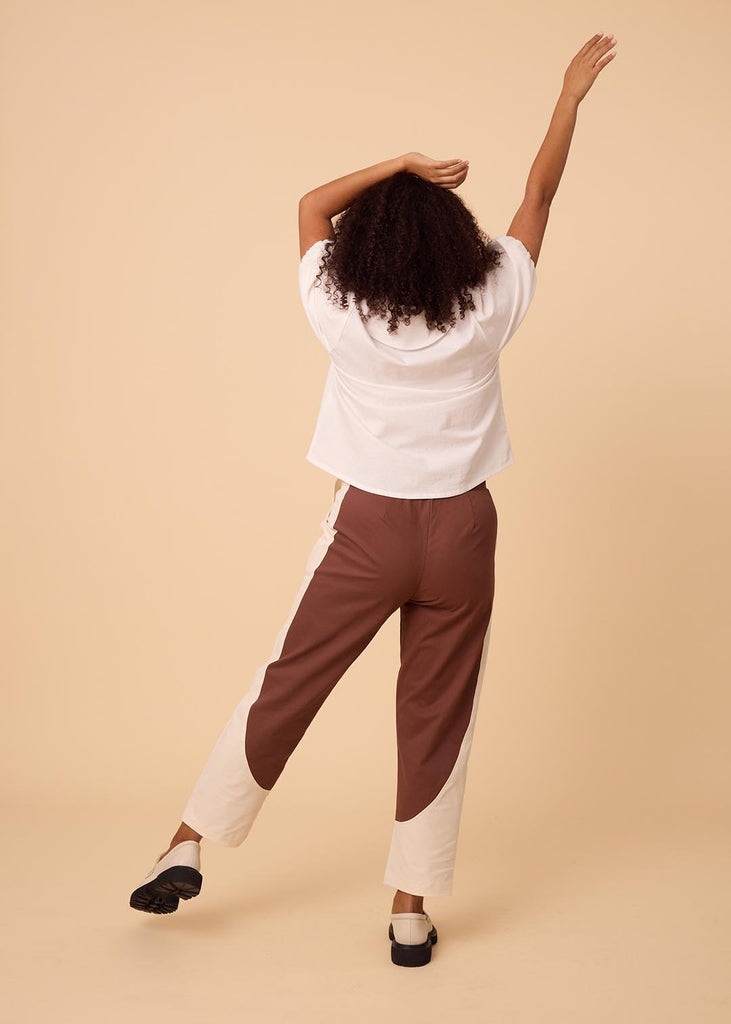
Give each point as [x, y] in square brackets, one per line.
[587, 64]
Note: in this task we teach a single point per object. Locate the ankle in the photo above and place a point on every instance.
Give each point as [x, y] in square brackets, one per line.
[184, 833]
[407, 903]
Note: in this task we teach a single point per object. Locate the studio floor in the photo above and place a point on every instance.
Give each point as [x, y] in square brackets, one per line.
[551, 920]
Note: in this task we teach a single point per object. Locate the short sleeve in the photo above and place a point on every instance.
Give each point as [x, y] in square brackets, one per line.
[323, 315]
[519, 272]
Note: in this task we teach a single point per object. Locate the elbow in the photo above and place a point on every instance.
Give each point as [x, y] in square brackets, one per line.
[538, 197]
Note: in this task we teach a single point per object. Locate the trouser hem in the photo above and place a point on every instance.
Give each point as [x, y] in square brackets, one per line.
[215, 836]
[418, 888]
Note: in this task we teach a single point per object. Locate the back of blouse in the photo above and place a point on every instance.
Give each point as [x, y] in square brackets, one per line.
[418, 413]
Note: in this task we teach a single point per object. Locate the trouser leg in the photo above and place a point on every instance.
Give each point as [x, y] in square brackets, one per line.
[353, 581]
[445, 631]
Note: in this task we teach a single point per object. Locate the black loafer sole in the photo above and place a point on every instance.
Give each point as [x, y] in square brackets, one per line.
[162, 894]
[412, 954]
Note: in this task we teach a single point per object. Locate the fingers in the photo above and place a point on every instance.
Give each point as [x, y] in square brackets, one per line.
[451, 180]
[597, 45]
[602, 56]
[605, 60]
[450, 169]
[589, 43]
[602, 45]
[454, 163]
[446, 173]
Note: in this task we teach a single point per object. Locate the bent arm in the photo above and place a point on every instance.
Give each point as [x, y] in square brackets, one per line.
[320, 204]
[336, 195]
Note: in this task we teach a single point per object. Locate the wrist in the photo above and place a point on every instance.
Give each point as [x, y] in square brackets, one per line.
[568, 99]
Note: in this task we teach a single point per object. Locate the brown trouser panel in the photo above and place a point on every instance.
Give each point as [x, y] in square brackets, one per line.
[427, 556]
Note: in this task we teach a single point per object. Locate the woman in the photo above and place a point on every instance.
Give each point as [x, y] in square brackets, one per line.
[414, 305]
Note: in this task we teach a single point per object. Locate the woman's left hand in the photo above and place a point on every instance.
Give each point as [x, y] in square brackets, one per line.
[445, 173]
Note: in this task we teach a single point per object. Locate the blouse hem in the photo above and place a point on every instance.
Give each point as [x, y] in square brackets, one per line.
[392, 494]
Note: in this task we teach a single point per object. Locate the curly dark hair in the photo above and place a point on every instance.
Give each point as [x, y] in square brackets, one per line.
[407, 246]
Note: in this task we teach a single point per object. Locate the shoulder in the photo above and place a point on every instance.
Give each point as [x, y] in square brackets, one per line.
[325, 314]
[516, 273]
[504, 299]
[516, 252]
[314, 254]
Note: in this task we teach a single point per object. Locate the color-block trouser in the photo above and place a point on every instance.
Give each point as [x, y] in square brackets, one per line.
[432, 558]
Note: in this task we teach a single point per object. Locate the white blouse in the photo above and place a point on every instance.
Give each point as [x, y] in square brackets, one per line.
[418, 413]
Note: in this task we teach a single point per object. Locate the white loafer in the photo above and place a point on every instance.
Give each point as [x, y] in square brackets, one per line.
[412, 936]
[176, 876]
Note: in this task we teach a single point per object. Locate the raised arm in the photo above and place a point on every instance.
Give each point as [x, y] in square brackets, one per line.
[529, 222]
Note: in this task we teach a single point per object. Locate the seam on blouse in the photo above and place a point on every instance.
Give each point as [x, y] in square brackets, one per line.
[346, 321]
[439, 396]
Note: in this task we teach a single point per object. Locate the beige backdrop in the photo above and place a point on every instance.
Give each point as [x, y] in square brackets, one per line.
[159, 389]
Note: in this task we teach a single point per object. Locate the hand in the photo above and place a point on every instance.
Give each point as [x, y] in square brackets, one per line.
[586, 65]
[445, 173]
